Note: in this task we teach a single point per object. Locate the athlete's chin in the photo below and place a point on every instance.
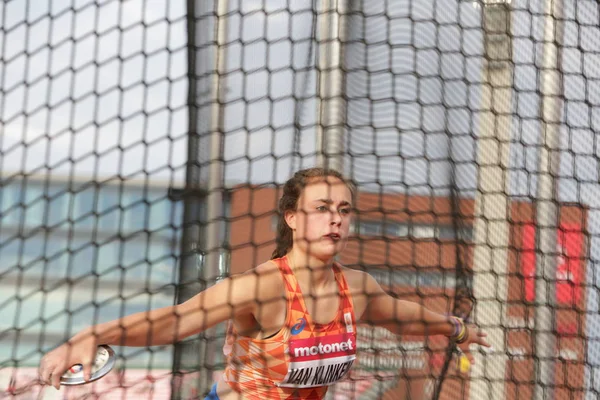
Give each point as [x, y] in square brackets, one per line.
[329, 250]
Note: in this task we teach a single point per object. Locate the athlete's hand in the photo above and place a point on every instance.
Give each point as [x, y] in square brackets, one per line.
[474, 336]
[79, 350]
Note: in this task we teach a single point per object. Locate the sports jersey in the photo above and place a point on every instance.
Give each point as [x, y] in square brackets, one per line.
[304, 357]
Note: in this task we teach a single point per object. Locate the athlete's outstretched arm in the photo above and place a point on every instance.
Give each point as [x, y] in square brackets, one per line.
[409, 318]
[228, 298]
[231, 296]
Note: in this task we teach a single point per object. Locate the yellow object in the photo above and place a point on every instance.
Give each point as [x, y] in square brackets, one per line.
[464, 365]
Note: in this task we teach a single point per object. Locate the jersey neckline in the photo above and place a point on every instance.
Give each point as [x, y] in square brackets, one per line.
[341, 294]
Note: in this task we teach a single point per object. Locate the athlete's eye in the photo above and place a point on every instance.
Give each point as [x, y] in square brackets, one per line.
[345, 211]
[322, 209]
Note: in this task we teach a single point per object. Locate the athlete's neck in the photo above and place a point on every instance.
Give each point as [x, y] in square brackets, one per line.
[315, 272]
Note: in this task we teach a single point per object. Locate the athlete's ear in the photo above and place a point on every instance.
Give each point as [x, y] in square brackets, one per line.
[290, 219]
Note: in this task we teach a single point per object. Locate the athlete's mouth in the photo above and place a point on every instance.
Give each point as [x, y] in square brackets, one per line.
[333, 236]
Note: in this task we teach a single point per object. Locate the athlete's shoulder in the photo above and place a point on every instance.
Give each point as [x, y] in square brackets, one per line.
[266, 278]
[264, 270]
[352, 275]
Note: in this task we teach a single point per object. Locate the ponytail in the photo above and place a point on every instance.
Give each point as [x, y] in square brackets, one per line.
[284, 239]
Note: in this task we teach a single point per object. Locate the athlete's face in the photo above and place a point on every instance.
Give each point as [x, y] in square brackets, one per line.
[322, 219]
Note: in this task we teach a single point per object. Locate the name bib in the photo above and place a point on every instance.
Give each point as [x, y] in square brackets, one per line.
[319, 361]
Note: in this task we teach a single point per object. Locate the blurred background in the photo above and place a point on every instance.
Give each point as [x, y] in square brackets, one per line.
[142, 145]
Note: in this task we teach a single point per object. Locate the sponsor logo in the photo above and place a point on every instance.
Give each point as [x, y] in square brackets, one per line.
[76, 369]
[323, 349]
[319, 348]
[299, 326]
[348, 321]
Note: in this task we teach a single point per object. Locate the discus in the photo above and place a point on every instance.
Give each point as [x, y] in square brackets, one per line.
[103, 364]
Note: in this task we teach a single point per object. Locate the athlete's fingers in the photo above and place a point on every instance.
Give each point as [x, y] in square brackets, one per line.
[55, 378]
[469, 356]
[87, 369]
[44, 373]
[480, 339]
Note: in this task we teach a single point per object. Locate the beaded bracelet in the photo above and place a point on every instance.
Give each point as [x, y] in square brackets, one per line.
[461, 333]
[457, 327]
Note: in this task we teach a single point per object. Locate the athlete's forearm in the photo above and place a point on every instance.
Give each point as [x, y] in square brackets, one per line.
[155, 327]
[422, 321]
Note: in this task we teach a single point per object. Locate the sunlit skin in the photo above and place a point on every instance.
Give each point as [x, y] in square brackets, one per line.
[255, 302]
[321, 222]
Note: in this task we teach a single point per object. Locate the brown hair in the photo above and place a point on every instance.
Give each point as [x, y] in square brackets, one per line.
[289, 202]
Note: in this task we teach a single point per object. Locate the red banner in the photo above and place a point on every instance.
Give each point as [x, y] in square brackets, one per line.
[569, 245]
[569, 264]
[528, 261]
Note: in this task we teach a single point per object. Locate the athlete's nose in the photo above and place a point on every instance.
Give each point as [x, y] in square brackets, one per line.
[336, 219]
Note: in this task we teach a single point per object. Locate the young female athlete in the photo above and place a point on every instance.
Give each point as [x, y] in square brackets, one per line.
[293, 318]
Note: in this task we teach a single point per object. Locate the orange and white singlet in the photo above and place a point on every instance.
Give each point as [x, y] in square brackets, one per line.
[303, 358]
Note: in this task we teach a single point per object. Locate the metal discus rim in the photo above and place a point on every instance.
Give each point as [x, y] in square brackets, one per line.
[101, 372]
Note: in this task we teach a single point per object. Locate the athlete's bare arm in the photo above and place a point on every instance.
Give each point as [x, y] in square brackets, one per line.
[401, 316]
[409, 318]
[231, 298]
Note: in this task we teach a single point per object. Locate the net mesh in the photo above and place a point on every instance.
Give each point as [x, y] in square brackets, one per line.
[132, 178]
